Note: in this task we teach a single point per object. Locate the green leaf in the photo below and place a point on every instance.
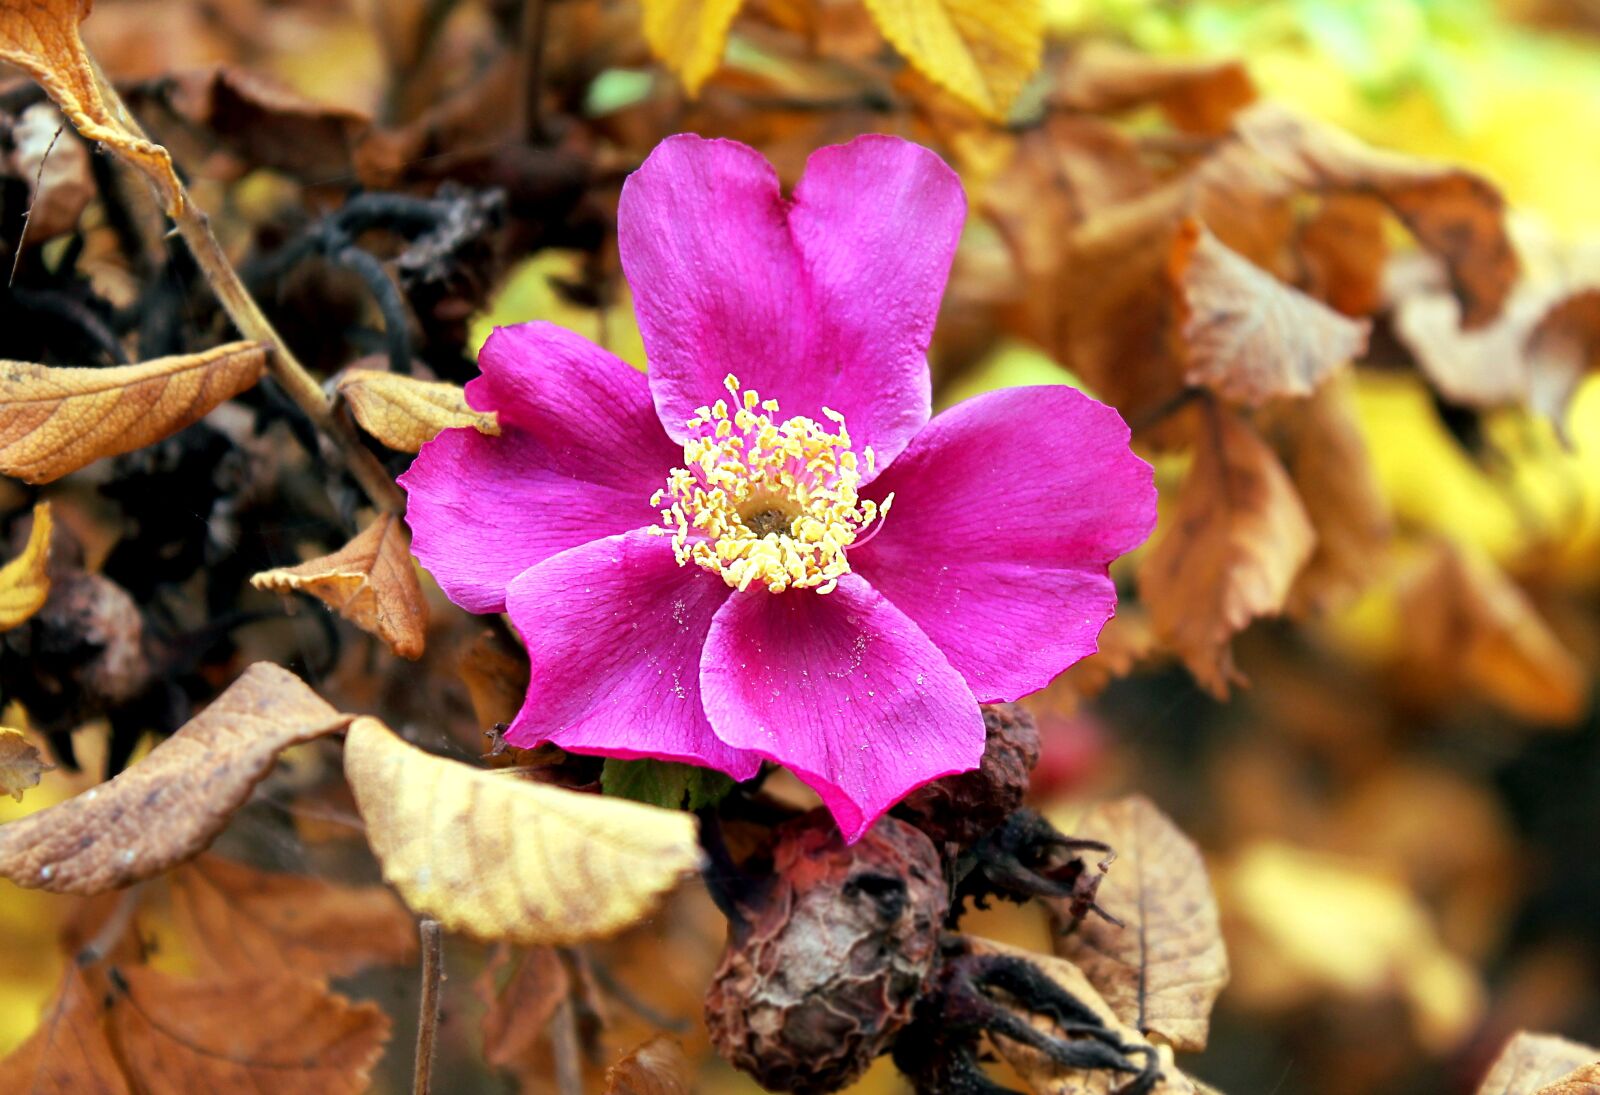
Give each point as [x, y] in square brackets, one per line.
[664, 783]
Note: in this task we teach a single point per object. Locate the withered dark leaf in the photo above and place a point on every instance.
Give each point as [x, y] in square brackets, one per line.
[20, 763]
[169, 806]
[516, 1013]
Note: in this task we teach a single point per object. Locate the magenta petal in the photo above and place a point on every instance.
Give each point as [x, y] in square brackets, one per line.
[844, 690]
[1008, 509]
[579, 455]
[614, 631]
[828, 299]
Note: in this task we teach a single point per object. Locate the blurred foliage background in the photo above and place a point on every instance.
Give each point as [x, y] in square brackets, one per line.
[1406, 859]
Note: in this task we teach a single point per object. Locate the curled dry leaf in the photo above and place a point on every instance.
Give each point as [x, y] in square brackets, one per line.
[1531, 1063]
[1230, 550]
[981, 51]
[20, 763]
[1470, 629]
[169, 806]
[1456, 215]
[405, 413]
[1047, 1077]
[1249, 337]
[68, 1053]
[239, 921]
[25, 580]
[1197, 95]
[658, 1067]
[56, 168]
[370, 582]
[496, 857]
[1162, 969]
[41, 38]
[689, 36]
[56, 420]
[276, 1035]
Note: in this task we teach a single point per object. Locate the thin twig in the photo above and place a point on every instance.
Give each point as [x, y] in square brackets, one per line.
[110, 934]
[27, 216]
[428, 1019]
[535, 23]
[563, 1032]
[195, 228]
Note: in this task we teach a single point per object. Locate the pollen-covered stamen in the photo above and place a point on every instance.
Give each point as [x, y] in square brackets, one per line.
[762, 500]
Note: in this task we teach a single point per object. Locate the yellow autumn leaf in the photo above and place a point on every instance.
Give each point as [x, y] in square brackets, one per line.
[405, 413]
[501, 858]
[41, 38]
[981, 51]
[689, 36]
[57, 420]
[370, 582]
[24, 585]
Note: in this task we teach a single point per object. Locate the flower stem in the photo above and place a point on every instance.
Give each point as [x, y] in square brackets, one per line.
[195, 227]
[428, 1018]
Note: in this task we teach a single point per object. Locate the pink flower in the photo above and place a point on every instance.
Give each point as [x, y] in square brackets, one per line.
[704, 562]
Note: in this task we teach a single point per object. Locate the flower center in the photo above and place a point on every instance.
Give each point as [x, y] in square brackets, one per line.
[764, 500]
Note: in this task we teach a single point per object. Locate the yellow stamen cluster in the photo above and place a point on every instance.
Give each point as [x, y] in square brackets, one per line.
[762, 500]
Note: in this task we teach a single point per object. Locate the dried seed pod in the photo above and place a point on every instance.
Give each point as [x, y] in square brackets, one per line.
[825, 962]
[957, 810]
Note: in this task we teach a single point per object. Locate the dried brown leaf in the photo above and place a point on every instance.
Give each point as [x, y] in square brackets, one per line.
[515, 1016]
[405, 413]
[1469, 629]
[1047, 1077]
[41, 38]
[1229, 551]
[1322, 447]
[1456, 215]
[55, 166]
[1530, 1063]
[658, 1067]
[1581, 1081]
[1250, 337]
[1342, 249]
[20, 763]
[1162, 969]
[68, 1053]
[266, 124]
[166, 808]
[1197, 95]
[276, 1035]
[56, 420]
[496, 857]
[239, 921]
[370, 582]
[25, 580]
[1562, 348]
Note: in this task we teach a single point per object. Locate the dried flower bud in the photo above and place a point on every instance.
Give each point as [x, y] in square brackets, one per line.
[958, 810]
[823, 968]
